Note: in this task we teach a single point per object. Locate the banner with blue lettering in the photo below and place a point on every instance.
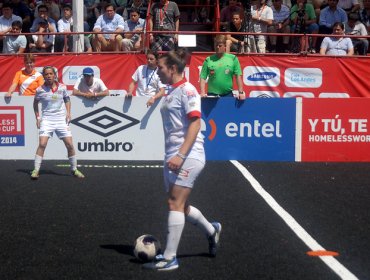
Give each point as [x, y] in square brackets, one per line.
[254, 129]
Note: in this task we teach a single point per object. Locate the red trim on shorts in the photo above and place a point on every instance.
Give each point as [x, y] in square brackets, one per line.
[194, 114]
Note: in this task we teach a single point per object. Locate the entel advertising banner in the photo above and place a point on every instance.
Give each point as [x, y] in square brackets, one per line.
[263, 76]
[250, 130]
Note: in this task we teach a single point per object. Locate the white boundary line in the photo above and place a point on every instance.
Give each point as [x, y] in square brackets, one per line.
[330, 261]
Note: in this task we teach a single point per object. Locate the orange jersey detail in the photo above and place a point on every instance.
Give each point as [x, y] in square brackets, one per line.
[28, 83]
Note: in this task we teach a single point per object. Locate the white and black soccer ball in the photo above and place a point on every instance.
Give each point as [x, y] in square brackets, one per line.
[146, 247]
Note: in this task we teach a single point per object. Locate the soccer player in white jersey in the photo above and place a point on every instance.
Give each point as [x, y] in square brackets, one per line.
[55, 117]
[184, 158]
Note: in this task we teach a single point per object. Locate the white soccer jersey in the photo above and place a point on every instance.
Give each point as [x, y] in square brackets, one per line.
[180, 104]
[52, 102]
[97, 85]
[148, 82]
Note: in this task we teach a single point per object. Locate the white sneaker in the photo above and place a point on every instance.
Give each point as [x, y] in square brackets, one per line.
[161, 264]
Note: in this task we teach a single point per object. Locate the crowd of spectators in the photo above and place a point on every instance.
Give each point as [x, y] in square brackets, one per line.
[42, 19]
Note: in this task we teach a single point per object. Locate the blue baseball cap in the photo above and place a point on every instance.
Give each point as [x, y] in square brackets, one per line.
[88, 71]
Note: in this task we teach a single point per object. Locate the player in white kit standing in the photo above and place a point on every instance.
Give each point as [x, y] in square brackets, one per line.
[55, 117]
[184, 158]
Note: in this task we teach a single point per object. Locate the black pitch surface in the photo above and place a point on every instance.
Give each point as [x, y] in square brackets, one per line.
[60, 227]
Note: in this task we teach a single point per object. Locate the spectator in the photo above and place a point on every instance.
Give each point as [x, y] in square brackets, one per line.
[227, 12]
[202, 16]
[303, 14]
[349, 5]
[27, 79]
[65, 25]
[164, 16]
[287, 3]
[147, 81]
[42, 16]
[133, 42]
[108, 22]
[90, 6]
[235, 42]
[137, 4]
[119, 5]
[42, 41]
[262, 16]
[220, 69]
[337, 45]
[330, 15]
[280, 24]
[64, 42]
[13, 42]
[53, 9]
[6, 21]
[365, 15]
[355, 27]
[88, 86]
[21, 9]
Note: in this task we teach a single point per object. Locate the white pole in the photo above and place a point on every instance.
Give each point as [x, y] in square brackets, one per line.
[78, 25]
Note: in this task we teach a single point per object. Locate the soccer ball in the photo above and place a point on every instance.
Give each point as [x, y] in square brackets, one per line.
[146, 247]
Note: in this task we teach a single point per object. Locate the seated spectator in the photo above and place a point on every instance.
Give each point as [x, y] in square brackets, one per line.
[6, 21]
[164, 16]
[337, 45]
[88, 86]
[64, 43]
[42, 16]
[331, 15]
[328, 16]
[227, 11]
[42, 41]
[280, 24]
[13, 42]
[303, 14]
[202, 16]
[365, 15]
[108, 22]
[355, 27]
[349, 5]
[133, 42]
[21, 9]
[89, 14]
[53, 9]
[119, 5]
[137, 4]
[262, 16]
[235, 42]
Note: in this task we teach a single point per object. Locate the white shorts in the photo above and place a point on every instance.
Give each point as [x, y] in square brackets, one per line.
[60, 127]
[184, 177]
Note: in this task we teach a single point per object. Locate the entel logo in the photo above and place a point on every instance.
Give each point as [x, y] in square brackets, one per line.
[254, 129]
[105, 121]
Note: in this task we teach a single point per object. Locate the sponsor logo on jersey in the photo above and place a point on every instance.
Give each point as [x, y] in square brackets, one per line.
[105, 121]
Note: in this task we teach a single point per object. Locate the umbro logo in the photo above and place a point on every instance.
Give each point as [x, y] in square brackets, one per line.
[105, 121]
